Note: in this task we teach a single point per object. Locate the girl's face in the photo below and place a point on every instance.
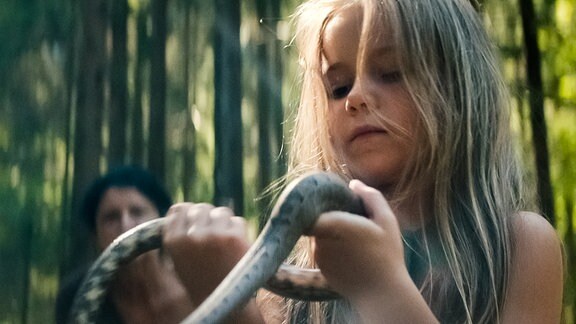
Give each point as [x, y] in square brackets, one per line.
[371, 117]
[120, 210]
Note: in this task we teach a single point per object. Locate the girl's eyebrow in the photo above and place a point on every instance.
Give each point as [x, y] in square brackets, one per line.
[327, 69]
[330, 68]
[384, 50]
[381, 51]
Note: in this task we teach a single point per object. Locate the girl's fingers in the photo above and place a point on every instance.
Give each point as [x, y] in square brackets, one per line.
[238, 225]
[176, 221]
[376, 205]
[339, 225]
[196, 220]
[199, 215]
[221, 217]
[204, 242]
[343, 225]
[370, 247]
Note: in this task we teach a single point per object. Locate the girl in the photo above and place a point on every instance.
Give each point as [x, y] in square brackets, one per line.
[406, 98]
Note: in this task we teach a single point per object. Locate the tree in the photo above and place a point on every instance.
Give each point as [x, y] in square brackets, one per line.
[137, 111]
[88, 122]
[228, 175]
[537, 117]
[118, 84]
[269, 93]
[157, 133]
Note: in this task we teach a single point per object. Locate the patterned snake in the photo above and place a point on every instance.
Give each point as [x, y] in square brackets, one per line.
[298, 207]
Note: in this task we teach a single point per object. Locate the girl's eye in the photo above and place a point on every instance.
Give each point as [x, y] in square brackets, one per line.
[340, 92]
[391, 77]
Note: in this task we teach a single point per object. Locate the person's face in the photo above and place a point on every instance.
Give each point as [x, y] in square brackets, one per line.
[120, 210]
[371, 116]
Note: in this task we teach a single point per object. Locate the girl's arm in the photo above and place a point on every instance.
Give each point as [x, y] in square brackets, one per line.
[536, 280]
[205, 243]
[363, 259]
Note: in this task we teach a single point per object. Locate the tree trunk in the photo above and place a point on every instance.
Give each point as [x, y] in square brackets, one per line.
[228, 173]
[157, 131]
[270, 112]
[88, 122]
[68, 137]
[537, 117]
[118, 84]
[137, 115]
[264, 113]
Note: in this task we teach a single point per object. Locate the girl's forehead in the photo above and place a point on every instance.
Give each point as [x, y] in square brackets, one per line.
[345, 20]
[344, 33]
[341, 34]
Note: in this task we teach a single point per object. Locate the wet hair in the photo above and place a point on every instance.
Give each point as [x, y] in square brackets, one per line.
[124, 177]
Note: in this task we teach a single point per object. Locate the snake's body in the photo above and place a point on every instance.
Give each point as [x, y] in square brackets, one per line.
[296, 211]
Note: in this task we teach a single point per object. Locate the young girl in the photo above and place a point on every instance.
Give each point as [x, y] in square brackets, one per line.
[406, 98]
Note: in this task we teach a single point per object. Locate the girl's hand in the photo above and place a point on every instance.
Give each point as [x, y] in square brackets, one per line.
[205, 242]
[357, 254]
[363, 259]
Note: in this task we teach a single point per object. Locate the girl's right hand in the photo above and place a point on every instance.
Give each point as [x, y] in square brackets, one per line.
[204, 242]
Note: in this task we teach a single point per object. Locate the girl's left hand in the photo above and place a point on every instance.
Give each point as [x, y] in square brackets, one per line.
[363, 259]
[205, 242]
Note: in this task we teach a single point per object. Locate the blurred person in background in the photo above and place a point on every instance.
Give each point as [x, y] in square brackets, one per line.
[146, 290]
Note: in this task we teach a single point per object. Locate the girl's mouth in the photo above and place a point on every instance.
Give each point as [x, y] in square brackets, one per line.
[366, 130]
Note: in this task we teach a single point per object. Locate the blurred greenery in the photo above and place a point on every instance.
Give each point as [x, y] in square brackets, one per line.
[39, 42]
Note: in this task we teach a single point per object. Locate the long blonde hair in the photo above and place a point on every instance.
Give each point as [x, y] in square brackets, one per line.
[464, 149]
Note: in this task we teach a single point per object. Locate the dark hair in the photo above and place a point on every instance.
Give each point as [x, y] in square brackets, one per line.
[121, 177]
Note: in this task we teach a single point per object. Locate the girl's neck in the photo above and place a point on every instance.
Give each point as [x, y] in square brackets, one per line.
[413, 211]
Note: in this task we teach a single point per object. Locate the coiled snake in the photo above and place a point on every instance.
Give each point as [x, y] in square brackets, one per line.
[298, 207]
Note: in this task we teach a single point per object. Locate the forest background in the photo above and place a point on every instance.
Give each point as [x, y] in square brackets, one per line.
[201, 92]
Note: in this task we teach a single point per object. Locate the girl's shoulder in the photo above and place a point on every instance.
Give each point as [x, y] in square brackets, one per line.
[534, 240]
[532, 228]
[537, 273]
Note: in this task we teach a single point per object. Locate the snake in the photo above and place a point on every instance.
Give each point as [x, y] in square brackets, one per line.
[263, 266]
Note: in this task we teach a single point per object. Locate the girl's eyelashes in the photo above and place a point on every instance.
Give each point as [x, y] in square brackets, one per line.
[340, 88]
[340, 92]
[390, 77]
[337, 87]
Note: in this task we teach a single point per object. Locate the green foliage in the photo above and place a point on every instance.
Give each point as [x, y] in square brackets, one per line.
[557, 35]
[16, 19]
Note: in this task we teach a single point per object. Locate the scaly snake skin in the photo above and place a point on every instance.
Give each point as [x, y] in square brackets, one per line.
[297, 209]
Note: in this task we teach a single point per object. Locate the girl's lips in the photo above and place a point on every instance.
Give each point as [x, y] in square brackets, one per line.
[365, 130]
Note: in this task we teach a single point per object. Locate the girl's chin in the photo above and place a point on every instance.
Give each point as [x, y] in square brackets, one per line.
[377, 179]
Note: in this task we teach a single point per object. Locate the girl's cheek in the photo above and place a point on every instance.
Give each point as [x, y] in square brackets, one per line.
[333, 136]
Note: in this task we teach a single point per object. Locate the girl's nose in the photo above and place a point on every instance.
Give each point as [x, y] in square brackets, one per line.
[356, 99]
